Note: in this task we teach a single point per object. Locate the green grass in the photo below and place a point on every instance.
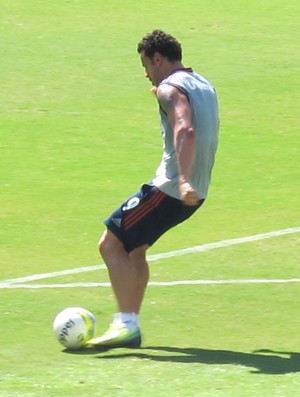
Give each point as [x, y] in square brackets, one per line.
[79, 133]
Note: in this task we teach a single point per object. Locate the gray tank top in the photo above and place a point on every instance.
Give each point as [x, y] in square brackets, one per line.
[204, 105]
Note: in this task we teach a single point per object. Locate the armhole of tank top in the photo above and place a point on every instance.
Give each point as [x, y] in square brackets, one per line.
[161, 109]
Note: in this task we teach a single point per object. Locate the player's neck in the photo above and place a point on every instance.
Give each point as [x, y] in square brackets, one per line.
[173, 67]
[176, 67]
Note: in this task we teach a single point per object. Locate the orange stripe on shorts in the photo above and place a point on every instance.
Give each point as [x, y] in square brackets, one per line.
[142, 210]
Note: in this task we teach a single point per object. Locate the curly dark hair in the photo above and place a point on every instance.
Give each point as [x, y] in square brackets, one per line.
[161, 42]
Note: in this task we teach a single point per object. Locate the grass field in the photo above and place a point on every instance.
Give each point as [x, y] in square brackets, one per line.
[79, 133]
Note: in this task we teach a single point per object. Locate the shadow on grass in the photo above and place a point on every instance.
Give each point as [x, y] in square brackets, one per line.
[262, 361]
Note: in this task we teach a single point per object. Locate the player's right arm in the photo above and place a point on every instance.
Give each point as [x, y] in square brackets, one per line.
[176, 105]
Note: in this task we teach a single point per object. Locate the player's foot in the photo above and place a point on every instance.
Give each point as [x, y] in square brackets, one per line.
[118, 335]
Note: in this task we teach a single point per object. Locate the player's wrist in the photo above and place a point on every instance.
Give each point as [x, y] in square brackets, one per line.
[184, 180]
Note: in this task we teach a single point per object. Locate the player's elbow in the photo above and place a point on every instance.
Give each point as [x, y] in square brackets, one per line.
[184, 135]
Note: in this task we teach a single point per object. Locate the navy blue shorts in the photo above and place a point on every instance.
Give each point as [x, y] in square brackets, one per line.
[146, 216]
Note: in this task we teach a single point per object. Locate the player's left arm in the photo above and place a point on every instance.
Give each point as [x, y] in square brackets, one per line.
[176, 105]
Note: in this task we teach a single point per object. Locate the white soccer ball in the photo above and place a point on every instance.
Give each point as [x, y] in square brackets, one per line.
[74, 327]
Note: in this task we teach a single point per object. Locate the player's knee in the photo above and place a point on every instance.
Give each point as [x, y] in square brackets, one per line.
[103, 244]
[108, 243]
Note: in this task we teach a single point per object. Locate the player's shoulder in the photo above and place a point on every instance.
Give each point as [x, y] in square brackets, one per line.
[165, 90]
[168, 92]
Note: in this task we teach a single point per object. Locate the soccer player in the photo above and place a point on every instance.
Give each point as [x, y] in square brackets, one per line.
[188, 109]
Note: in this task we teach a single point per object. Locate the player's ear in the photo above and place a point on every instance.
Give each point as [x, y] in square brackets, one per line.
[157, 58]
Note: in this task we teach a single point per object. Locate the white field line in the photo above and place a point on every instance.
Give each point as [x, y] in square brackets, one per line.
[156, 283]
[155, 257]
[42, 276]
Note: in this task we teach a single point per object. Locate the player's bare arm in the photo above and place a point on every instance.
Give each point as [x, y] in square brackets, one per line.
[176, 105]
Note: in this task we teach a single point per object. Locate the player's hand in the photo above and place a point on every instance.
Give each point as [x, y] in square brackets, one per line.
[188, 194]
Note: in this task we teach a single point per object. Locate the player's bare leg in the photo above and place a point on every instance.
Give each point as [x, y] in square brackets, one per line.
[129, 275]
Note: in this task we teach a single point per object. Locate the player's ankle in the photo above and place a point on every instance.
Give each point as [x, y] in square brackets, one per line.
[130, 320]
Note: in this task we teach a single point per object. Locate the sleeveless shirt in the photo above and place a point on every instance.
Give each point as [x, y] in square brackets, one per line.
[203, 101]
